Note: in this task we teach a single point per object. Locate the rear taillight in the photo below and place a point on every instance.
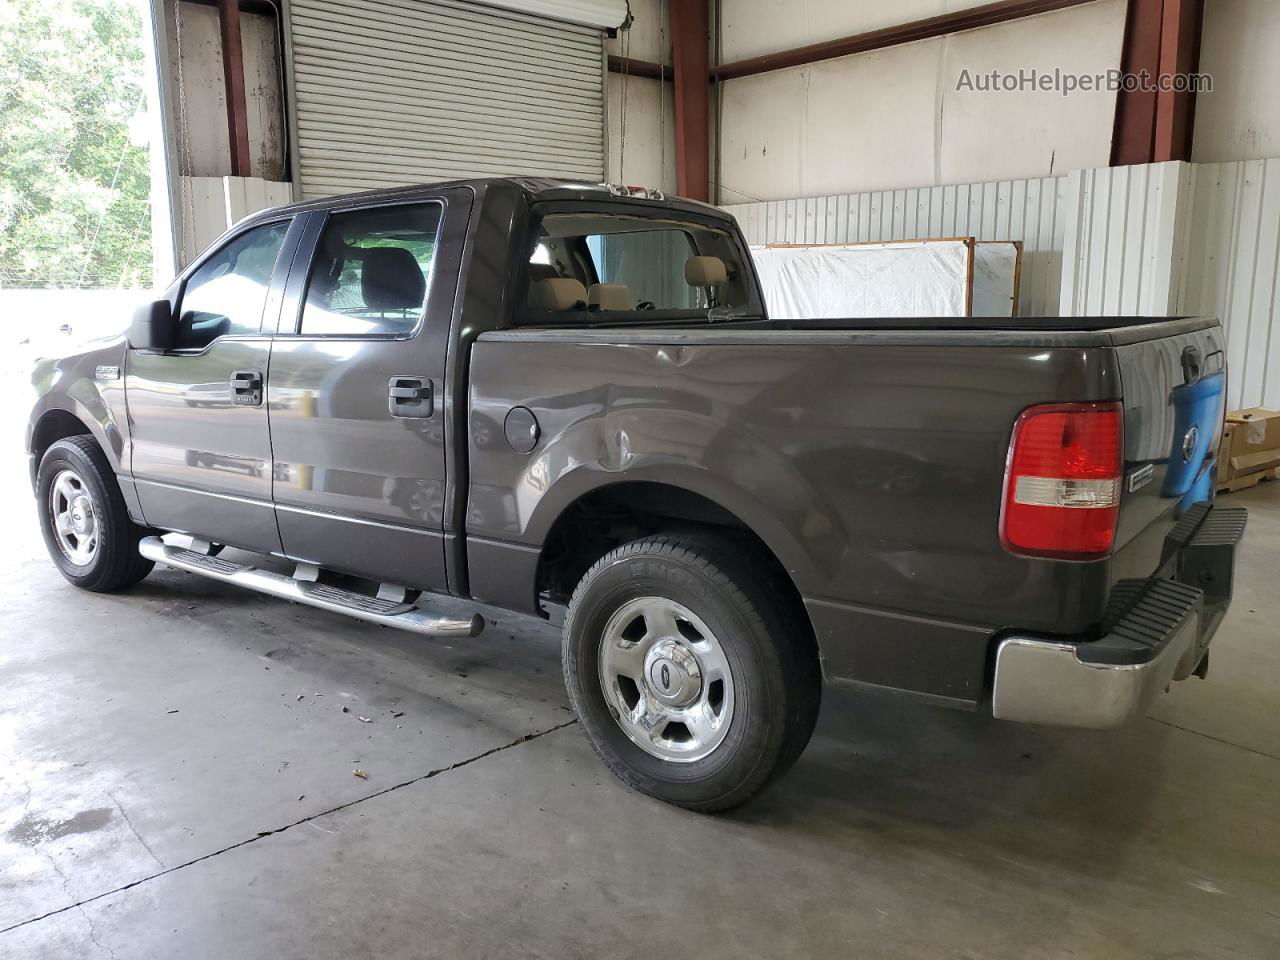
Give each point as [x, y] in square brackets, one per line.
[1062, 481]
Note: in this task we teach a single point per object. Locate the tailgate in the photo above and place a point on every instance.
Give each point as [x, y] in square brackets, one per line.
[1174, 391]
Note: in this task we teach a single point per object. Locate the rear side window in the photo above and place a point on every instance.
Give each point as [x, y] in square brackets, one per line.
[371, 271]
[226, 294]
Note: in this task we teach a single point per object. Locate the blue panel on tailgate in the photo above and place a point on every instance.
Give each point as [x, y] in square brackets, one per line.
[1198, 412]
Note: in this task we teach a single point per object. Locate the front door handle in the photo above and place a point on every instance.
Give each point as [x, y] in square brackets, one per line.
[410, 397]
[246, 387]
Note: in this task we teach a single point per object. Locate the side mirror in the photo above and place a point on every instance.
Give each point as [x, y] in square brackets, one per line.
[153, 327]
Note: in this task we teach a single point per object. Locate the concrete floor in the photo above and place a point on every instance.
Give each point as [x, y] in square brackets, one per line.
[177, 782]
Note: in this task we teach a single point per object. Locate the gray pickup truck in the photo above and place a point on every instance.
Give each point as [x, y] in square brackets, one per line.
[568, 401]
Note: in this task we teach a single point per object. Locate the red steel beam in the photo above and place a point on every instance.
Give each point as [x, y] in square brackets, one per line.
[1179, 54]
[233, 76]
[690, 42]
[639, 68]
[1133, 134]
[948, 23]
[1161, 40]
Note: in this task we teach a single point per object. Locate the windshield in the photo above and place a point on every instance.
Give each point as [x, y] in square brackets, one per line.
[632, 267]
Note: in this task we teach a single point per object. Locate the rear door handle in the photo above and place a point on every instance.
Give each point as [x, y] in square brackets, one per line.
[246, 387]
[410, 397]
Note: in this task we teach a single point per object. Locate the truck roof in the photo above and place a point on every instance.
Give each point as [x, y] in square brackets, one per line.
[534, 188]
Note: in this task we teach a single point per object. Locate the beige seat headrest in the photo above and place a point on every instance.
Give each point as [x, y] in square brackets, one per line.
[542, 271]
[705, 271]
[557, 293]
[610, 296]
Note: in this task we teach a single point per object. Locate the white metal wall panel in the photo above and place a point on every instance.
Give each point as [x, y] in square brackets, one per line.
[1026, 210]
[1121, 240]
[1178, 238]
[1231, 265]
[402, 92]
[211, 205]
[1152, 240]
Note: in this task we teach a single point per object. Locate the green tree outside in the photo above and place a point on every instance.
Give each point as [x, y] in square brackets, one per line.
[74, 191]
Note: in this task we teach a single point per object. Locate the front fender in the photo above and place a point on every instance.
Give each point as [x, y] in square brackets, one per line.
[82, 385]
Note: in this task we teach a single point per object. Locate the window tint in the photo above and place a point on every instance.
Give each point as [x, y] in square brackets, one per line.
[370, 271]
[225, 296]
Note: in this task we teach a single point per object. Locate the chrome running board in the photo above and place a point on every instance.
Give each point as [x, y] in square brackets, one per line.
[385, 612]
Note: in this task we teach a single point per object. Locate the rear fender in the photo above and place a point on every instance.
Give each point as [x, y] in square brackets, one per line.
[692, 452]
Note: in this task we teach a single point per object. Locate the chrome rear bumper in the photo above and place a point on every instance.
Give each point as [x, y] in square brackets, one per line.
[1162, 634]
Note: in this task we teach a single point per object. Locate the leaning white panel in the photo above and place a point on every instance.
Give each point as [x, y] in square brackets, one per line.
[912, 278]
[997, 271]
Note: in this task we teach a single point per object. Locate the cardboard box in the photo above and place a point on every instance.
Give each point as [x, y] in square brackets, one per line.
[1250, 444]
[1260, 430]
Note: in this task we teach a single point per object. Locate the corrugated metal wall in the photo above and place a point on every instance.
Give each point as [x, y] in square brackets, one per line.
[1153, 240]
[1026, 210]
[1179, 238]
[1120, 240]
[1231, 264]
[407, 91]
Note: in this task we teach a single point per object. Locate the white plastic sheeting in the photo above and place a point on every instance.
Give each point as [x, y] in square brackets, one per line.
[914, 278]
[1032, 211]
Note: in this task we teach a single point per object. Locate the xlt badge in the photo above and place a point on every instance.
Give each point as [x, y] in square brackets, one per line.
[1141, 477]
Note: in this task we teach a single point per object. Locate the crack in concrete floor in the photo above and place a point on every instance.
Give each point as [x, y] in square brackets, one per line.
[262, 835]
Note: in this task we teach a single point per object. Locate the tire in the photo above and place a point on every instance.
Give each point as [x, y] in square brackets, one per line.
[102, 554]
[704, 586]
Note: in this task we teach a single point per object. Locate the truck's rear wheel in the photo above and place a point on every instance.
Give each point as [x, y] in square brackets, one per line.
[687, 666]
[86, 527]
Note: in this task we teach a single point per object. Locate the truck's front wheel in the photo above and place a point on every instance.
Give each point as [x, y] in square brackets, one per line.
[689, 671]
[83, 517]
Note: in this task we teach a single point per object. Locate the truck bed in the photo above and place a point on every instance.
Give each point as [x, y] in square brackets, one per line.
[869, 458]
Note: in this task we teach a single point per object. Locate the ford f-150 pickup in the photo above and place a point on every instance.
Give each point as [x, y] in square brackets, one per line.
[567, 400]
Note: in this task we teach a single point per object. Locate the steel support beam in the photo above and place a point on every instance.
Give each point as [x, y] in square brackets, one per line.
[639, 68]
[1161, 41]
[940, 26]
[690, 42]
[1179, 55]
[233, 77]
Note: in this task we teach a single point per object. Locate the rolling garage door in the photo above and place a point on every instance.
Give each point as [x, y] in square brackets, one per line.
[403, 91]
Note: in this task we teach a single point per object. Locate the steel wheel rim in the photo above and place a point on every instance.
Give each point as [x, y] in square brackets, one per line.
[74, 521]
[666, 679]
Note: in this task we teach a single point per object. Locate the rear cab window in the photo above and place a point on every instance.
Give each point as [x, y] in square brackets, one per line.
[598, 265]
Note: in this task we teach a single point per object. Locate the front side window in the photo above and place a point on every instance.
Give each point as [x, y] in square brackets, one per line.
[226, 294]
[370, 273]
